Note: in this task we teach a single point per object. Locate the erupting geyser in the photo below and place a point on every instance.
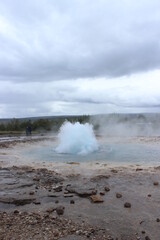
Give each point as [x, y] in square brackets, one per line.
[76, 138]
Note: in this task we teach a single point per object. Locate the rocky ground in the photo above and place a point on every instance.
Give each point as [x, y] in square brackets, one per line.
[118, 203]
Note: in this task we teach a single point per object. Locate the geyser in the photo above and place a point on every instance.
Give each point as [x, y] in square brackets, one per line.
[76, 138]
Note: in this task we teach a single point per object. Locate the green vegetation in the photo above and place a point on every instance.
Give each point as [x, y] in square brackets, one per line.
[17, 126]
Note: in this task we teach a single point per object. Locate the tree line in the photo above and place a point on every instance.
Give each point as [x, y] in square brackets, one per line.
[40, 124]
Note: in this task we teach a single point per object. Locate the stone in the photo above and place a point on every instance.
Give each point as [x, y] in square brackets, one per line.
[16, 211]
[107, 189]
[72, 201]
[156, 183]
[147, 238]
[157, 220]
[96, 199]
[60, 210]
[36, 202]
[102, 193]
[18, 202]
[68, 195]
[114, 171]
[58, 188]
[139, 169]
[118, 195]
[127, 205]
[31, 193]
[82, 192]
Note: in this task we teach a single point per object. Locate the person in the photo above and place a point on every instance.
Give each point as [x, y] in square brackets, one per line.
[28, 131]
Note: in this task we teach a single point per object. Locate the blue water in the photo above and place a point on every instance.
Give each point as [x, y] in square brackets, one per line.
[114, 152]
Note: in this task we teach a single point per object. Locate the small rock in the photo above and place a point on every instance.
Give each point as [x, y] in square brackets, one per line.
[31, 193]
[156, 183]
[127, 205]
[65, 192]
[139, 169]
[102, 193]
[60, 210]
[157, 220]
[68, 195]
[107, 189]
[56, 201]
[96, 199]
[58, 189]
[143, 232]
[82, 192]
[114, 171]
[72, 201]
[149, 195]
[36, 202]
[118, 195]
[147, 238]
[16, 211]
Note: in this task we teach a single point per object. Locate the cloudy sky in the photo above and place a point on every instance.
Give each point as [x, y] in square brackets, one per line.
[79, 57]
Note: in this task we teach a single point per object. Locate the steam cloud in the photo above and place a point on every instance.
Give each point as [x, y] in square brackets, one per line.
[76, 138]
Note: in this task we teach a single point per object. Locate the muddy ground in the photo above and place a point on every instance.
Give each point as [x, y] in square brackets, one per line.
[119, 203]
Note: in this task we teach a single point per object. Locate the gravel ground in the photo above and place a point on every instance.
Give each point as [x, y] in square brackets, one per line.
[23, 225]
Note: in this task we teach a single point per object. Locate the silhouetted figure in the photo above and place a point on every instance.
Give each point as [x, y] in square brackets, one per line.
[28, 131]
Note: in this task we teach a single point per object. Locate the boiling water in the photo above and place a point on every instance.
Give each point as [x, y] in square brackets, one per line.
[128, 153]
[76, 138]
[77, 143]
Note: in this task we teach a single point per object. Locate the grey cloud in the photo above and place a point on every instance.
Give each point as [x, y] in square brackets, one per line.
[67, 97]
[52, 40]
[106, 54]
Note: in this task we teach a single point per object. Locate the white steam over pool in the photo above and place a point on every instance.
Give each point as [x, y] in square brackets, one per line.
[76, 138]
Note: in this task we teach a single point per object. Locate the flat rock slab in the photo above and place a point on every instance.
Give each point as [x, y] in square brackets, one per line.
[17, 202]
[82, 192]
[96, 199]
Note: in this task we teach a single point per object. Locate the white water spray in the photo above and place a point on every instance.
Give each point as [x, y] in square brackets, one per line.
[76, 138]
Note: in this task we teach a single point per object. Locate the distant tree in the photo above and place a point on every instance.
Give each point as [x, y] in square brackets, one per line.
[2, 127]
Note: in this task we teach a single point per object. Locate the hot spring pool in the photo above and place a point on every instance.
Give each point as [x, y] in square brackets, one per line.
[127, 153]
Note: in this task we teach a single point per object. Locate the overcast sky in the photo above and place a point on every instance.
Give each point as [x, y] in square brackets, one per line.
[79, 57]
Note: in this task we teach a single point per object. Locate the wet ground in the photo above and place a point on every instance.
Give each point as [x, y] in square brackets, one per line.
[111, 202]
